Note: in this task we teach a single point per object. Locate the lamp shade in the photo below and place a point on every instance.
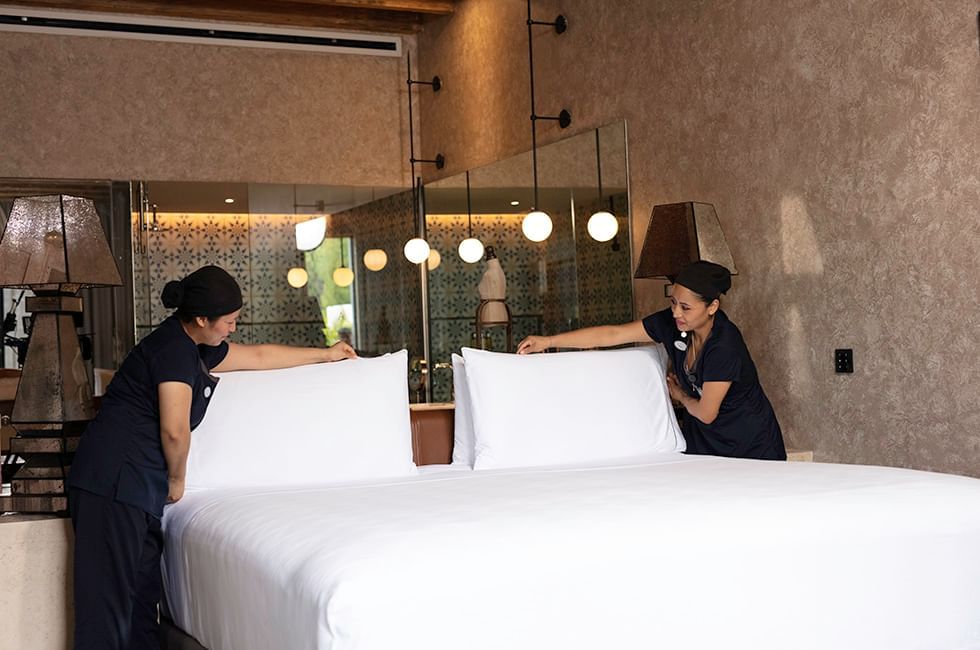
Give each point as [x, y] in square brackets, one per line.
[56, 242]
[310, 234]
[375, 259]
[537, 225]
[416, 250]
[681, 233]
[602, 226]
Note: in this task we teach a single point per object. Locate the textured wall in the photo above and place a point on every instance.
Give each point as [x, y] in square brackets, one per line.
[88, 107]
[839, 142]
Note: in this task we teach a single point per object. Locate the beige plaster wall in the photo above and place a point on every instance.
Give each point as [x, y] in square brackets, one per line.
[90, 107]
[840, 143]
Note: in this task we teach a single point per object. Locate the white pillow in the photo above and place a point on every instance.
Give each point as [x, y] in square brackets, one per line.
[315, 424]
[463, 439]
[546, 409]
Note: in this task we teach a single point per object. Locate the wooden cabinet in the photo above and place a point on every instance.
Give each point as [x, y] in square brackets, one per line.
[432, 433]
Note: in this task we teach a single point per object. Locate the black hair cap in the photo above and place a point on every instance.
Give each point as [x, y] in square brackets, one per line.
[707, 279]
[209, 291]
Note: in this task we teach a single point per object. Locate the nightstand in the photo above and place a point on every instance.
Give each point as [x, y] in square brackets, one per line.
[800, 455]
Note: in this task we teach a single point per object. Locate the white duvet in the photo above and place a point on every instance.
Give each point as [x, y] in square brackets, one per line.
[665, 552]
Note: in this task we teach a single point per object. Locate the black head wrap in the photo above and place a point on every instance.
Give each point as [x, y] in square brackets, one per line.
[209, 291]
[707, 279]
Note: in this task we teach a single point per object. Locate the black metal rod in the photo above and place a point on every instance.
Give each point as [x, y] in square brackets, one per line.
[411, 135]
[534, 119]
[598, 163]
[469, 205]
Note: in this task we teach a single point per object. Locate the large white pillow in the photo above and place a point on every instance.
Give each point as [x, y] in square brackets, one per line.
[463, 438]
[315, 424]
[546, 409]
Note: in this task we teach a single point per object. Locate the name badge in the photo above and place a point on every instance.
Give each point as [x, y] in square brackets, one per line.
[680, 345]
[207, 392]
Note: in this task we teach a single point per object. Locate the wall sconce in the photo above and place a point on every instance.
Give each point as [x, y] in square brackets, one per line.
[375, 259]
[343, 276]
[55, 246]
[297, 277]
[537, 225]
[310, 233]
[471, 248]
[414, 246]
[602, 225]
[681, 233]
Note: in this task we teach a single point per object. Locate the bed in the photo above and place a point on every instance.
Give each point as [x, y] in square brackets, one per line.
[650, 549]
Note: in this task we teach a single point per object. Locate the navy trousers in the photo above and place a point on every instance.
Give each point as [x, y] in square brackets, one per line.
[117, 574]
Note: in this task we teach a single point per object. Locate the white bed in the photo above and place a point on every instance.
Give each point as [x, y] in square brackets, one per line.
[661, 551]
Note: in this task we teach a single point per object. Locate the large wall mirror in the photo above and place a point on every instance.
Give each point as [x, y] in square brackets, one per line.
[161, 231]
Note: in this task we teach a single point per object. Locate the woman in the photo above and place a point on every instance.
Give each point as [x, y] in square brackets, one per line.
[132, 457]
[728, 414]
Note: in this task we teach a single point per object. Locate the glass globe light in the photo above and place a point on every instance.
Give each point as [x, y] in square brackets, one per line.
[375, 259]
[470, 250]
[435, 259]
[297, 277]
[310, 234]
[343, 276]
[417, 250]
[602, 226]
[537, 225]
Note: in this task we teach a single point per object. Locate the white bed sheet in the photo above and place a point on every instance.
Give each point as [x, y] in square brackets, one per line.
[668, 551]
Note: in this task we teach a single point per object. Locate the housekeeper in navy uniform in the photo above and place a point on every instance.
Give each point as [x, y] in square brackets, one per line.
[715, 380]
[132, 457]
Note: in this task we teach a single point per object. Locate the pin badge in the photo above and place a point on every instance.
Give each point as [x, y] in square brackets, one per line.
[207, 391]
[680, 345]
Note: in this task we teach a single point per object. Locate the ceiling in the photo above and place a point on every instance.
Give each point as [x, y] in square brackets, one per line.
[386, 16]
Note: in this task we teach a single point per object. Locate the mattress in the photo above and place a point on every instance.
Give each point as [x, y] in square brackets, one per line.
[666, 551]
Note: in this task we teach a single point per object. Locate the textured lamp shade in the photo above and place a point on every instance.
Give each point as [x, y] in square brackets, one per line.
[310, 234]
[470, 250]
[375, 259]
[681, 233]
[343, 276]
[537, 225]
[435, 259]
[297, 277]
[602, 226]
[417, 250]
[56, 243]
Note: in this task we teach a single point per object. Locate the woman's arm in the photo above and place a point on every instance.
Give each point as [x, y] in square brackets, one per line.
[175, 433]
[706, 408]
[269, 356]
[603, 336]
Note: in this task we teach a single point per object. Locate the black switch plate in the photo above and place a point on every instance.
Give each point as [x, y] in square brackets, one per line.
[844, 360]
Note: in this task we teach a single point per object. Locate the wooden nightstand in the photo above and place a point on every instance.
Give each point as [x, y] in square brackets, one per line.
[800, 455]
[432, 432]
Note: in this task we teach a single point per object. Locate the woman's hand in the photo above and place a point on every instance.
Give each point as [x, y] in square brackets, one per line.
[677, 393]
[534, 344]
[175, 489]
[340, 350]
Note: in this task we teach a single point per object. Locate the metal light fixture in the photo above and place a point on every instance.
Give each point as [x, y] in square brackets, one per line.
[343, 276]
[537, 225]
[681, 233]
[55, 246]
[414, 247]
[602, 225]
[471, 248]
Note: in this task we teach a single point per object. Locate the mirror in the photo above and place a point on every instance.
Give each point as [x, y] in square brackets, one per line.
[567, 281]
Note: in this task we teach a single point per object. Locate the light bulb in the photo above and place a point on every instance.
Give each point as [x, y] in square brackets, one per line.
[417, 250]
[343, 276]
[471, 250]
[603, 226]
[297, 277]
[536, 225]
[375, 259]
[435, 259]
[310, 234]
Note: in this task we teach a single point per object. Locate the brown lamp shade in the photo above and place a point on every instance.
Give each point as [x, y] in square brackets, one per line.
[55, 243]
[681, 233]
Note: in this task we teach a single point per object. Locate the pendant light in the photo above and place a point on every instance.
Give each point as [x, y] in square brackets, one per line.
[537, 225]
[375, 259]
[471, 248]
[602, 225]
[417, 249]
[297, 277]
[343, 275]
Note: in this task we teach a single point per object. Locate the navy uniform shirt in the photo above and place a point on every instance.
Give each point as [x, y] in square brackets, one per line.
[120, 454]
[746, 425]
